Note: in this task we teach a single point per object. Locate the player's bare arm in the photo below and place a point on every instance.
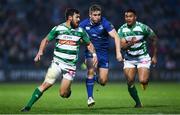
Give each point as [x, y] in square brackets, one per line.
[154, 45]
[42, 47]
[126, 44]
[114, 35]
[91, 48]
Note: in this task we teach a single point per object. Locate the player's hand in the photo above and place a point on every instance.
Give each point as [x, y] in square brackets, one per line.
[154, 60]
[38, 56]
[119, 57]
[134, 40]
[130, 43]
[95, 60]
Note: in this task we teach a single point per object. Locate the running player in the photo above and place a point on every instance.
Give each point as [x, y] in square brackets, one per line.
[134, 36]
[68, 37]
[100, 30]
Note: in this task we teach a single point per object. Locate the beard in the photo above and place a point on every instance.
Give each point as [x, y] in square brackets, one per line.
[73, 25]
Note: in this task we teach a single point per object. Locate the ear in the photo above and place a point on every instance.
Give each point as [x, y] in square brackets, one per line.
[90, 14]
[70, 18]
[135, 17]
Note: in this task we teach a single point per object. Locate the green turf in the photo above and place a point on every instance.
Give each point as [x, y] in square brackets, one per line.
[111, 99]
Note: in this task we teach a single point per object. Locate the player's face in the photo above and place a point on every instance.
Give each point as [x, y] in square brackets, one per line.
[75, 20]
[95, 16]
[130, 18]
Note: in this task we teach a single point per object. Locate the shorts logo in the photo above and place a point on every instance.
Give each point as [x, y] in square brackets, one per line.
[107, 64]
[71, 73]
[144, 62]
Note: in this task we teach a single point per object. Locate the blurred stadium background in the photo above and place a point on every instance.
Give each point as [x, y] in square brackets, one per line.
[24, 23]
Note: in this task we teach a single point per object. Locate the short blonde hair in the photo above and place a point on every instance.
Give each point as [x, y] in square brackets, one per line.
[94, 7]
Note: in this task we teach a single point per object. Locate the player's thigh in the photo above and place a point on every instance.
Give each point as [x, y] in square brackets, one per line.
[143, 70]
[51, 76]
[143, 74]
[103, 73]
[65, 86]
[130, 74]
[129, 70]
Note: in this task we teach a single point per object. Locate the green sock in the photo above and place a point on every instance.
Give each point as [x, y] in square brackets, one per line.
[133, 92]
[35, 96]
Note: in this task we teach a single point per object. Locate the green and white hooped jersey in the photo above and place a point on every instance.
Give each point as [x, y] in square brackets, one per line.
[67, 44]
[141, 32]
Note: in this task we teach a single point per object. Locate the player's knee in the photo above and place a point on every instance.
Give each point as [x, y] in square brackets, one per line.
[91, 72]
[44, 86]
[143, 81]
[65, 94]
[62, 93]
[103, 82]
[130, 82]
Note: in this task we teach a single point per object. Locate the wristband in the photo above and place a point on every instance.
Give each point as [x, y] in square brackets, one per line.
[94, 54]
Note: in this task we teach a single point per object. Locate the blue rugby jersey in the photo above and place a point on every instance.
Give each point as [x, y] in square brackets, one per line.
[98, 33]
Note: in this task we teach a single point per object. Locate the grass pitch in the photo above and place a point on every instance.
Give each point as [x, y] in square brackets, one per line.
[161, 98]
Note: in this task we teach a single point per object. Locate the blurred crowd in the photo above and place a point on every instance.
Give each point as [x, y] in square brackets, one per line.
[24, 23]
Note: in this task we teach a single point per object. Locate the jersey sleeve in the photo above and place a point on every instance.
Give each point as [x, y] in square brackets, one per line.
[107, 25]
[148, 31]
[85, 37]
[52, 34]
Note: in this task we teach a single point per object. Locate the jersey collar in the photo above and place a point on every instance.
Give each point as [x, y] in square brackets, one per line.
[67, 26]
[91, 23]
[132, 25]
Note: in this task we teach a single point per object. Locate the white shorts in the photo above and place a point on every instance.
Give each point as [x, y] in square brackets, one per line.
[142, 62]
[59, 69]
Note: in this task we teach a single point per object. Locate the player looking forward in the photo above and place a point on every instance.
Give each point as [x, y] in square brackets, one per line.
[100, 30]
[134, 36]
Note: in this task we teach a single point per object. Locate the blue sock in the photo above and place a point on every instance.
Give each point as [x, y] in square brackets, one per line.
[89, 87]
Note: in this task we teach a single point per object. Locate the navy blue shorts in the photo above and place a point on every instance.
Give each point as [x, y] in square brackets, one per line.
[103, 60]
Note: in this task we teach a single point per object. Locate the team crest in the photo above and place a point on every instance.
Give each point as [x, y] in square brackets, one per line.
[87, 28]
[100, 27]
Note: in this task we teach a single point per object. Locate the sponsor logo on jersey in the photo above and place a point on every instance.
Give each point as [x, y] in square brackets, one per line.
[94, 35]
[67, 42]
[67, 37]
